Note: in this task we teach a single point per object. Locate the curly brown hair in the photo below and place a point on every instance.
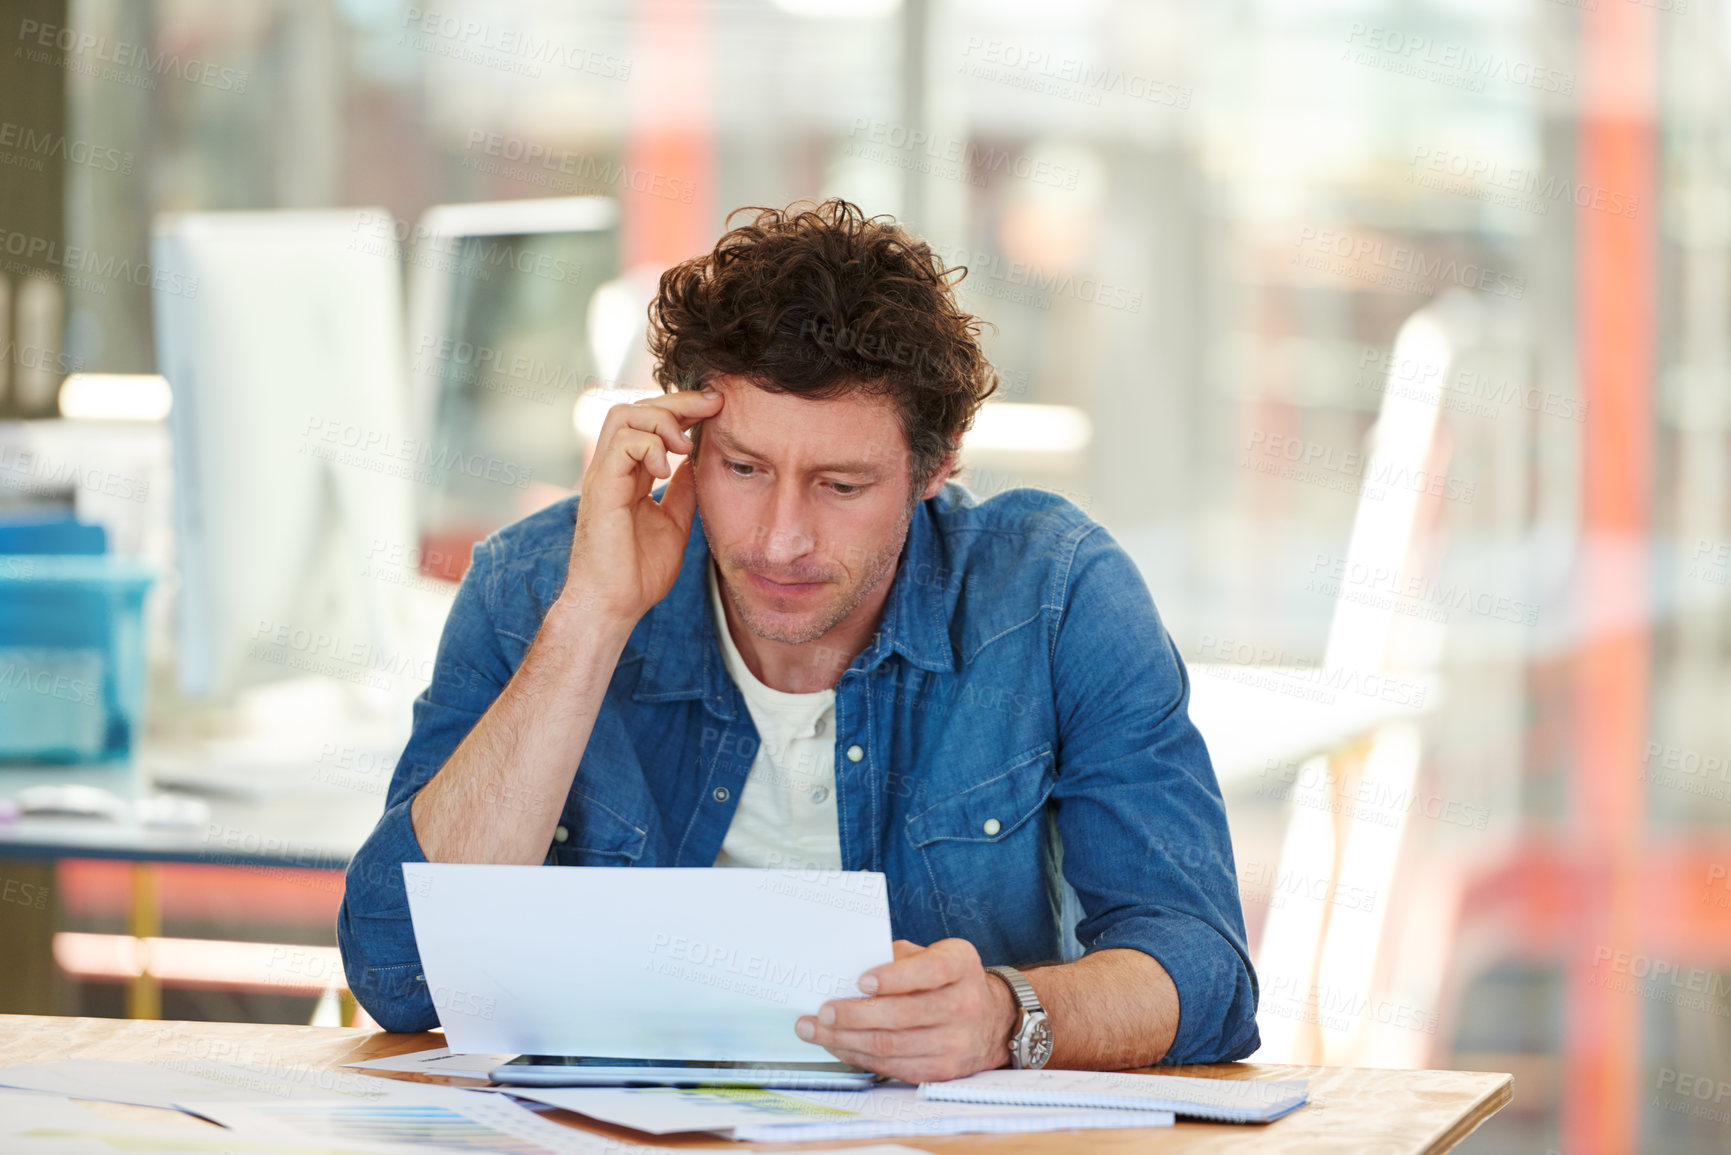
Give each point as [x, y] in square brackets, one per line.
[822, 302]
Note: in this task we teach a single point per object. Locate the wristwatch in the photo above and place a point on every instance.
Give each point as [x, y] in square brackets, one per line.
[1031, 1044]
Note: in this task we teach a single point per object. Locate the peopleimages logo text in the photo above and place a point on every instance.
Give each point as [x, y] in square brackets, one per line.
[76, 260]
[138, 57]
[1423, 272]
[971, 156]
[1540, 186]
[994, 268]
[56, 146]
[1461, 59]
[592, 171]
[509, 44]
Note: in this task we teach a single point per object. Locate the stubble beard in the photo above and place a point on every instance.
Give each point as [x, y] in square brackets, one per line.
[878, 568]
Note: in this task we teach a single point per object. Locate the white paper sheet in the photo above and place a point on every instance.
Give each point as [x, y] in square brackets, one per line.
[1225, 1100]
[470, 1121]
[438, 1061]
[169, 1084]
[37, 1123]
[33, 1123]
[892, 1110]
[675, 963]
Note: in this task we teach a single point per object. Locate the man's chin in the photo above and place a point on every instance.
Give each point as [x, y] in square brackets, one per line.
[792, 629]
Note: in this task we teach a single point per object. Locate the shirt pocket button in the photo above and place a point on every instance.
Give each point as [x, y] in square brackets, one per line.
[992, 827]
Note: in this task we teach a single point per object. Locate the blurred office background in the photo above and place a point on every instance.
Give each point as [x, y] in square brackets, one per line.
[1392, 339]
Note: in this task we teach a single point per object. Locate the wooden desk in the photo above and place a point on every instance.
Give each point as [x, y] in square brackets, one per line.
[1386, 1112]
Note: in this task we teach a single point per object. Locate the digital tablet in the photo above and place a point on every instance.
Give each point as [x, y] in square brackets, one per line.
[593, 1071]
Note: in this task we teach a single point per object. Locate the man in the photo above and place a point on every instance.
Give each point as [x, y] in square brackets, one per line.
[814, 650]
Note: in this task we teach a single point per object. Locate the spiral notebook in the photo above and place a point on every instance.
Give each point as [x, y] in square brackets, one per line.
[1217, 1100]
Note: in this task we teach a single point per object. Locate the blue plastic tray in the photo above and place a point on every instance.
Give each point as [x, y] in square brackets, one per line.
[72, 668]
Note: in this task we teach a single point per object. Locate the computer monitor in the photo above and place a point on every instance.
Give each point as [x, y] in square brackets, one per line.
[294, 453]
[501, 345]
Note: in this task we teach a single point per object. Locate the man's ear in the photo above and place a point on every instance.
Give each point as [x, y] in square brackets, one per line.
[939, 475]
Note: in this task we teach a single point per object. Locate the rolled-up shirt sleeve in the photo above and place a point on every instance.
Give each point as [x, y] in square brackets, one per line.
[1140, 815]
[374, 933]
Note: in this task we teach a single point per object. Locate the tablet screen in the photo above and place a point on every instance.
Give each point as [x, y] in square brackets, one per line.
[837, 1068]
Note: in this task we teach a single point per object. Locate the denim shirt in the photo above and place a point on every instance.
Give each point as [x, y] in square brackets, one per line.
[1013, 749]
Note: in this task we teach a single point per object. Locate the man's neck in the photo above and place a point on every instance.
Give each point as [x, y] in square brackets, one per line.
[811, 666]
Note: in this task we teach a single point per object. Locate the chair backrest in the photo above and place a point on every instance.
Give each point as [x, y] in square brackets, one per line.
[1396, 479]
[1323, 954]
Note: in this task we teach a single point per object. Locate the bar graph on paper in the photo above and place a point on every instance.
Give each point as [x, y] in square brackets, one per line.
[427, 1125]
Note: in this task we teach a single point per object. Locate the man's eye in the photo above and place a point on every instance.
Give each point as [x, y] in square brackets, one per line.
[841, 490]
[739, 469]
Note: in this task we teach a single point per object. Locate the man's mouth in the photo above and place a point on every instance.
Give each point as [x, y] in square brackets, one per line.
[781, 588]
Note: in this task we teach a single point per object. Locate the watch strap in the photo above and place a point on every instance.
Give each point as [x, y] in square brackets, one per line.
[1020, 987]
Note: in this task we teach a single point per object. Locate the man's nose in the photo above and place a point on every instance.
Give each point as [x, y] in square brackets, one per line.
[787, 533]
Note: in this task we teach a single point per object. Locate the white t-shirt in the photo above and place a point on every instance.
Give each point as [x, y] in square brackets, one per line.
[786, 818]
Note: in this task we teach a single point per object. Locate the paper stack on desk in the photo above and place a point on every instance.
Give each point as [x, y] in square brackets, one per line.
[266, 1110]
[765, 1116]
[992, 1101]
[43, 1124]
[217, 1108]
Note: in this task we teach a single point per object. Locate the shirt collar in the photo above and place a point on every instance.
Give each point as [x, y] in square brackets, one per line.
[916, 613]
[682, 658]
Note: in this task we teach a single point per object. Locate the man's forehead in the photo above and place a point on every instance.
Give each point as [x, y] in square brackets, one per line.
[855, 430]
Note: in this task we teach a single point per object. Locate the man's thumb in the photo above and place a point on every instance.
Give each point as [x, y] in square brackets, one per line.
[679, 499]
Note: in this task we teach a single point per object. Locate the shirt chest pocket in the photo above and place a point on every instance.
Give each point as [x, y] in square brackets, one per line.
[990, 811]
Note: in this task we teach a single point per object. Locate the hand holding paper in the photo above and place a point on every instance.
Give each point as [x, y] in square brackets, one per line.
[936, 1015]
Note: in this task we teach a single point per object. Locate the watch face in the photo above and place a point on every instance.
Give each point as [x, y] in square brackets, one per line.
[1039, 1042]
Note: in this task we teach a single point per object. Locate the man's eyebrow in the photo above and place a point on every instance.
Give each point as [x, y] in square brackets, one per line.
[731, 444]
